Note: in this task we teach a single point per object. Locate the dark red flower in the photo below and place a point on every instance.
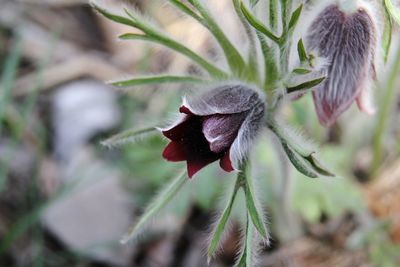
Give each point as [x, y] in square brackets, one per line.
[218, 125]
[348, 40]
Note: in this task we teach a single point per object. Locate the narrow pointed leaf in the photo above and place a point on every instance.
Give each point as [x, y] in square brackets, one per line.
[129, 136]
[219, 230]
[302, 51]
[271, 72]
[258, 25]
[113, 17]
[387, 34]
[305, 85]
[301, 71]
[303, 157]
[252, 65]
[251, 204]
[318, 166]
[157, 80]
[294, 140]
[295, 18]
[153, 35]
[298, 162]
[156, 37]
[159, 202]
[393, 10]
[300, 152]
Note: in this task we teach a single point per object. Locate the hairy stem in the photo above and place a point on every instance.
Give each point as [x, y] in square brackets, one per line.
[286, 222]
[385, 107]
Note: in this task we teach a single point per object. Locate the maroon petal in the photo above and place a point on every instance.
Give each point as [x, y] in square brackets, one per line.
[185, 110]
[226, 163]
[195, 165]
[180, 130]
[174, 152]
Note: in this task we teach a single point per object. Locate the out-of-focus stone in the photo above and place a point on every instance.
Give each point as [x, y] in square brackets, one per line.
[81, 110]
[93, 212]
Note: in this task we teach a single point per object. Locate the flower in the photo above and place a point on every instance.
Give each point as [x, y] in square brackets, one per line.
[218, 125]
[345, 34]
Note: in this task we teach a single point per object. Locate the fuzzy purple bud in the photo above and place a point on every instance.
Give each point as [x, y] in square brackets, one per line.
[218, 125]
[348, 42]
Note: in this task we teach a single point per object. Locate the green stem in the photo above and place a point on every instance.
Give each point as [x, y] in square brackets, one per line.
[221, 225]
[286, 222]
[233, 57]
[251, 201]
[271, 71]
[284, 40]
[158, 79]
[385, 107]
[246, 258]
[257, 24]
[8, 77]
[159, 202]
[253, 72]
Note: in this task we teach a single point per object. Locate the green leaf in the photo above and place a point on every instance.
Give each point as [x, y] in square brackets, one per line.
[295, 140]
[159, 202]
[129, 136]
[386, 105]
[222, 222]
[387, 34]
[301, 154]
[251, 204]
[302, 51]
[393, 11]
[318, 166]
[157, 80]
[258, 25]
[113, 17]
[295, 18]
[301, 71]
[305, 85]
[153, 35]
[271, 71]
[298, 162]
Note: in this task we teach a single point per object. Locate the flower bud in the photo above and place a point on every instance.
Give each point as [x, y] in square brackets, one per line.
[347, 38]
[217, 125]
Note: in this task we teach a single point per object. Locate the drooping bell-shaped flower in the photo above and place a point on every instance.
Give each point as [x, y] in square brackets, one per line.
[217, 125]
[345, 34]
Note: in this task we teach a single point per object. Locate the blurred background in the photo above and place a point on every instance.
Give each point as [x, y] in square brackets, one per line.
[65, 200]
